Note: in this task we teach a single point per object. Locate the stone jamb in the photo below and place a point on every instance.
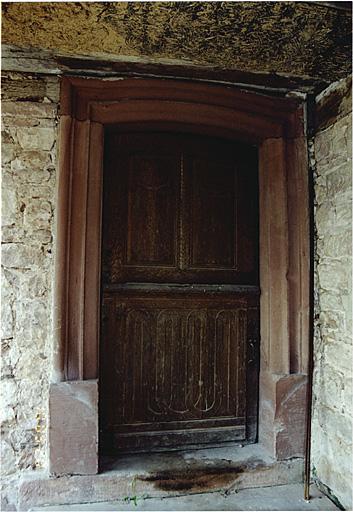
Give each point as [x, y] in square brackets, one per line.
[276, 126]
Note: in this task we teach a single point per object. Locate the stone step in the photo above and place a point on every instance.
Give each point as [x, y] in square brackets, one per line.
[282, 497]
[159, 475]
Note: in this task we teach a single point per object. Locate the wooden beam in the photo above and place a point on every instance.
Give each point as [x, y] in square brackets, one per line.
[47, 62]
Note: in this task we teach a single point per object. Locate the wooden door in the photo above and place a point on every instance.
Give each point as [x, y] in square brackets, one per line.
[180, 296]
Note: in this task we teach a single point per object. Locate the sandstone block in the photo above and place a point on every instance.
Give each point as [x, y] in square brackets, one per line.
[73, 428]
[114, 485]
[282, 409]
[290, 411]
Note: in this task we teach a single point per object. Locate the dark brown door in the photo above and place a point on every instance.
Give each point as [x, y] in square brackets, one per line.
[179, 349]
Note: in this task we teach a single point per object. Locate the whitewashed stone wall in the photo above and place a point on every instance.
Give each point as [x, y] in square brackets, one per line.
[29, 133]
[332, 418]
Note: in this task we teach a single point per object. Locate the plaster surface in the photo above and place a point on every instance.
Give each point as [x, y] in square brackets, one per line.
[294, 38]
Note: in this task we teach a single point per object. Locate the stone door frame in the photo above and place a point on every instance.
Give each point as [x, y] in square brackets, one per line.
[276, 125]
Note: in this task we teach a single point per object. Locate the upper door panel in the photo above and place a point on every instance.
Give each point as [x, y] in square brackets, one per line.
[181, 209]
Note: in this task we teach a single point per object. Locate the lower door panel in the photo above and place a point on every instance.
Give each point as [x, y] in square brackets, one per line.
[180, 367]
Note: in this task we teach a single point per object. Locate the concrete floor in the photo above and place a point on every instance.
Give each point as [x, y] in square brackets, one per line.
[282, 497]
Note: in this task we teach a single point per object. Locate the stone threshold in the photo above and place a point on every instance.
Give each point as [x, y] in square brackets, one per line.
[227, 469]
[279, 497]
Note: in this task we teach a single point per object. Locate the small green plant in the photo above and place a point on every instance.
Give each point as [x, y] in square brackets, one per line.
[134, 499]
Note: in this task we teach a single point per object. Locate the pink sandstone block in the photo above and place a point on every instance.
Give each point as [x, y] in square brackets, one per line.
[73, 428]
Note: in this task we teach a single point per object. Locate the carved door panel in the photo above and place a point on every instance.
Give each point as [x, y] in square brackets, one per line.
[179, 350]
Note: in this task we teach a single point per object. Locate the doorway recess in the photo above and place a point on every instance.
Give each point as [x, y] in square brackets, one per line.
[90, 107]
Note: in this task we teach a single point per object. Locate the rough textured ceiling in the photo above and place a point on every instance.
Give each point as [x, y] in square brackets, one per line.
[293, 38]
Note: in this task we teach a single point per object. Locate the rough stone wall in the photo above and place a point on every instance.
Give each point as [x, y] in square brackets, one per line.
[28, 190]
[332, 415]
[29, 133]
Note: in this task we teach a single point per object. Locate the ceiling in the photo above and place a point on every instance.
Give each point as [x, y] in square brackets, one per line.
[303, 39]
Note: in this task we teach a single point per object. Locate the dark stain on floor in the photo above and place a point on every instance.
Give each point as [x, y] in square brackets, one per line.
[198, 478]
